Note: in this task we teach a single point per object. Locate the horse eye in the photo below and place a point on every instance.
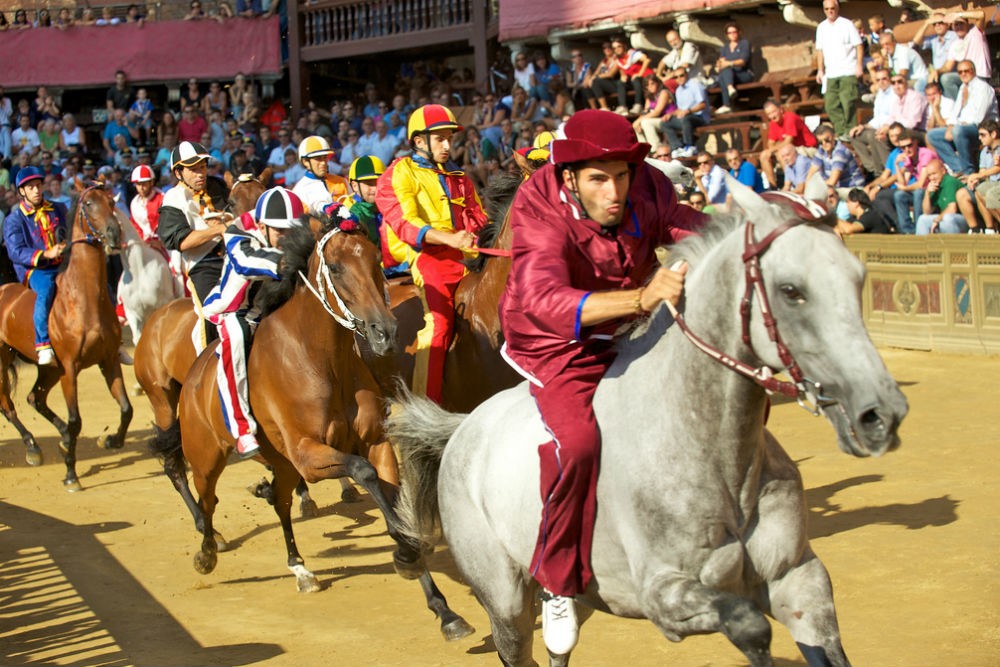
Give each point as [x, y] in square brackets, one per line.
[792, 293]
[335, 268]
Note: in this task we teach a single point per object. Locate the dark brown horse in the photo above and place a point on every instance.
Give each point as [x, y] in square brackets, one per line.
[83, 327]
[165, 353]
[473, 369]
[318, 407]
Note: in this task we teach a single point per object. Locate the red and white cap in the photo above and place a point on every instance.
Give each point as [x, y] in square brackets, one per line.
[142, 173]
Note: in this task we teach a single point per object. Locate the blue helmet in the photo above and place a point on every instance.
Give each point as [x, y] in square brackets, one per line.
[29, 174]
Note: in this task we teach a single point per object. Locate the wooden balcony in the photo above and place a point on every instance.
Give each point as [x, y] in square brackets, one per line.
[339, 28]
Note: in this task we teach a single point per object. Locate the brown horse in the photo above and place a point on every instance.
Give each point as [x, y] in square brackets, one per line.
[317, 404]
[83, 326]
[473, 369]
[165, 353]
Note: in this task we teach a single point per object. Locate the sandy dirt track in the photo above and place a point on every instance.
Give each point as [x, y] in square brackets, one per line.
[104, 577]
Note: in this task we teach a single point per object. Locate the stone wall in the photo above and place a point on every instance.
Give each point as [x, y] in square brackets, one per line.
[937, 292]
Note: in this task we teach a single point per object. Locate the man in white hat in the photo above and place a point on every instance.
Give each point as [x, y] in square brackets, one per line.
[192, 222]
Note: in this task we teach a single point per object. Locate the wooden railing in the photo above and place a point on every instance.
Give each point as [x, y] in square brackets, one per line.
[346, 21]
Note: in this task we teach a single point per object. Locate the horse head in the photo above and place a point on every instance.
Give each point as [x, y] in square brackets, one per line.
[351, 271]
[96, 221]
[811, 285]
[244, 193]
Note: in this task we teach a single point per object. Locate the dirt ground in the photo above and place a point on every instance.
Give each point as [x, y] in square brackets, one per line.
[105, 577]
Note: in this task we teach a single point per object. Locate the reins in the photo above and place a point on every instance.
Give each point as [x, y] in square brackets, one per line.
[95, 237]
[324, 282]
[808, 393]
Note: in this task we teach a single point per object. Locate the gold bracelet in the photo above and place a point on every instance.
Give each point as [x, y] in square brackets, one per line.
[638, 301]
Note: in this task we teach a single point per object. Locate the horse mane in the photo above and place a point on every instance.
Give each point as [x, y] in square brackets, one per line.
[297, 244]
[497, 197]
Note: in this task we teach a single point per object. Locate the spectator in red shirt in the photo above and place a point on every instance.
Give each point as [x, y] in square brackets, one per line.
[783, 128]
[191, 126]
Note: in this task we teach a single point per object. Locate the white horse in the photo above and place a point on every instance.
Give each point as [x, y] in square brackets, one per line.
[701, 520]
[147, 281]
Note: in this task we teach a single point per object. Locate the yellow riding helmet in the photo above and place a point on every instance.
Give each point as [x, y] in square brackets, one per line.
[314, 146]
[431, 117]
[366, 168]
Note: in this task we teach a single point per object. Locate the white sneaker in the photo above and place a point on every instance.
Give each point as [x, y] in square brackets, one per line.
[559, 626]
[246, 446]
[46, 357]
[677, 152]
[723, 110]
[688, 151]
[732, 91]
[621, 111]
[636, 109]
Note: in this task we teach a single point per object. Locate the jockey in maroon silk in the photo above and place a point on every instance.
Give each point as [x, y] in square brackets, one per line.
[585, 231]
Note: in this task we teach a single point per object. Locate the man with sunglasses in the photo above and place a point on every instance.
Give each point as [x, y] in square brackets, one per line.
[958, 143]
[834, 162]
[938, 44]
[840, 53]
[692, 112]
[911, 179]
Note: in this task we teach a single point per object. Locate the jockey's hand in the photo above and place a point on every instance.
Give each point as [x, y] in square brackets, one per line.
[462, 239]
[55, 251]
[666, 285]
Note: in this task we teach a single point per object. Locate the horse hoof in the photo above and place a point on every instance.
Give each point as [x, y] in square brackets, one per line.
[408, 569]
[350, 495]
[204, 563]
[456, 629]
[109, 442]
[307, 584]
[309, 509]
[220, 542]
[72, 486]
[33, 457]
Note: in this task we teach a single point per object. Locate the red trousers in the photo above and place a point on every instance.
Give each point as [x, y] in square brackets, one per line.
[569, 467]
[437, 271]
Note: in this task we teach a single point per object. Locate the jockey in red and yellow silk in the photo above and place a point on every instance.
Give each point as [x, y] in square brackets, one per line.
[434, 211]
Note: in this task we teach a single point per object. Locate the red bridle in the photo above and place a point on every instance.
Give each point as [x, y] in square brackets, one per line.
[806, 392]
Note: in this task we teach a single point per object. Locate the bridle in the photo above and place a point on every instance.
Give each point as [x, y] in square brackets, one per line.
[324, 284]
[808, 393]
[93, 236]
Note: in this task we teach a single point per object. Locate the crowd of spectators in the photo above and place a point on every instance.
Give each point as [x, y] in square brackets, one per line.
[933, 121]
[68, 17]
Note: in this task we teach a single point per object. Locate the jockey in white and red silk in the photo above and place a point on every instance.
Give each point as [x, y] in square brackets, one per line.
[144, 210]
[251, 256]
[585, 230]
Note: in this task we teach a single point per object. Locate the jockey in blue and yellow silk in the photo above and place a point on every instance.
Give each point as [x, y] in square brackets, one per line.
[35, 235]
[434, 211]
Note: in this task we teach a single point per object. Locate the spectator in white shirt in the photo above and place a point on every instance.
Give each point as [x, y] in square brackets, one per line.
[901, 59]
[871, 141]
[25, 138]
[958, 143]
[970, 45]
[939, 107]
[839, 53]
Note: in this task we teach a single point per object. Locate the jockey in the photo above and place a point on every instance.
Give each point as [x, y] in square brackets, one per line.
[192, 222]
[363, 175]
[144, 212]
[251, 256]
[35, 235]
[585, 229]
[318, 189]
[433, 208]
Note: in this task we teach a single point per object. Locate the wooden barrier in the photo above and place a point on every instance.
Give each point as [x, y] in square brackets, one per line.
[938, 292]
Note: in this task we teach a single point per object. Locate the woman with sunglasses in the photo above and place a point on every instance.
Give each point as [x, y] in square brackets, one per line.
[733, 65]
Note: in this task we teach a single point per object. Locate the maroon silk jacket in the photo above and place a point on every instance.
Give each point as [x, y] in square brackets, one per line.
[559, 258]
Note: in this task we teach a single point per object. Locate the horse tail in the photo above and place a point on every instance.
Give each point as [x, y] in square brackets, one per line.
[420, 429]
[8, 377]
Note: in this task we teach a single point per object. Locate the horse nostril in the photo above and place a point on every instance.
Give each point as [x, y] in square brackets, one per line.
[871, 419]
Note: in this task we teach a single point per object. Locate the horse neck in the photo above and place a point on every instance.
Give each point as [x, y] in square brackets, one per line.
[690, 380]
[87, 268]
[326, 337]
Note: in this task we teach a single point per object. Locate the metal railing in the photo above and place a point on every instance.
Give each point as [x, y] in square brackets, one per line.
[344, 21]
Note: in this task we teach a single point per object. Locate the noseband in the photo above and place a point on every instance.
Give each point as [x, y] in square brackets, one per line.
[324, 284]
[808, 393]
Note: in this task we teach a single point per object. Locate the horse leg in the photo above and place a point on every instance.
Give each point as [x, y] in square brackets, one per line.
[68, 430]
[33, 453]
[112, 371]
[802, 601]
[680, 606]
[205, 471]
[286, 480]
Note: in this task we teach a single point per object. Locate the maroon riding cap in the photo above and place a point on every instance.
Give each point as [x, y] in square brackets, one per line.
[593, 134]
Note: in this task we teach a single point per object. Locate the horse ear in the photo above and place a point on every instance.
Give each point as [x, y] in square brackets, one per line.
[79, 184]
[265, 176]
[756, 208]
[227, 176]
[816, 189]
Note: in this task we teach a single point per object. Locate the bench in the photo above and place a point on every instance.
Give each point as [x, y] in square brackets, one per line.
[799, 79]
